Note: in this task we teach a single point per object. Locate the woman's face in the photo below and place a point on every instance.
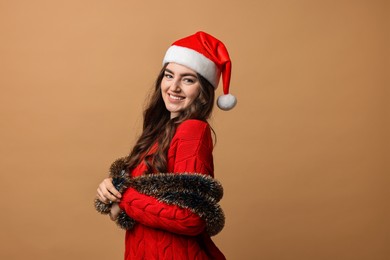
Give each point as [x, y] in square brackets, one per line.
[179, 88]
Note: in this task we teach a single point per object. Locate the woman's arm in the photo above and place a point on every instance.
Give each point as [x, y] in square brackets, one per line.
[152, 213]
[192, 151]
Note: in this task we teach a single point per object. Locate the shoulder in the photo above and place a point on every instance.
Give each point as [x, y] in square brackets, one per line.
[192, 129]
[191, 148]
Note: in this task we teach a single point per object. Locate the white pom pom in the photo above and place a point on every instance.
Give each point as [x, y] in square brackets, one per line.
[226, 102]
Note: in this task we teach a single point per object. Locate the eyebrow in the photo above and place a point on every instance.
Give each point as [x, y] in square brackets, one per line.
[183, 75]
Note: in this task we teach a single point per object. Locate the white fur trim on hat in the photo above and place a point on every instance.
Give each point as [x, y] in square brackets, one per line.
[195, 61]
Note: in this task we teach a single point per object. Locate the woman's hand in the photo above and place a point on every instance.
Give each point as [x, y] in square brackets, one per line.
[115, 209]
[107, 193]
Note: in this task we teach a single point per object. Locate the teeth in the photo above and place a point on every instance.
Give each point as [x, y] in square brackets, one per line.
[176, 97]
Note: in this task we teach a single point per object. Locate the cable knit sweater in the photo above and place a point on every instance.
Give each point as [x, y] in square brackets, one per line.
[164, 231]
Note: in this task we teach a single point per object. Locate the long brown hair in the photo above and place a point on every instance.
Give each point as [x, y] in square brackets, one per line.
[159, 128]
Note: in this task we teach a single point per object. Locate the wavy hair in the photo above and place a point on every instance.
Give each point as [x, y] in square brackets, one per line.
[159, 128]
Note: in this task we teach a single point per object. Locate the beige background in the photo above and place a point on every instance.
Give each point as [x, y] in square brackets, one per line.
[304, 157]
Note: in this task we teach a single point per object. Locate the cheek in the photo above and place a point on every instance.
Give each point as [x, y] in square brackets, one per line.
[163, 87]
[194, 93]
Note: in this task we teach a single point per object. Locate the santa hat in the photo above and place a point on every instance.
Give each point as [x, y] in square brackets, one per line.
[207, 56]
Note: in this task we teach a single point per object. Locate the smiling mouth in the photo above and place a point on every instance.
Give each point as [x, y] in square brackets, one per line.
[175, 97]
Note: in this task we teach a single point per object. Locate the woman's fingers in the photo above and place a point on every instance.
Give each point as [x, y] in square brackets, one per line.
[102, 198]
[107, 193]
[114, 213]
[110, 187]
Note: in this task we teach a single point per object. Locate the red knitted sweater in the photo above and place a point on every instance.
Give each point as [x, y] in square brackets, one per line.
[165, 231]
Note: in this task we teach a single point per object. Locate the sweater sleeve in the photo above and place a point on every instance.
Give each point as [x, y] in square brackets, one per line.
[190, 152]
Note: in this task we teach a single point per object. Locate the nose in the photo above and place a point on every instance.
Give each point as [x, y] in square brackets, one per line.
[175, 85]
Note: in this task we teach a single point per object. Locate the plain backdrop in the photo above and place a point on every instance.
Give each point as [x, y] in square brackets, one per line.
[303, 158]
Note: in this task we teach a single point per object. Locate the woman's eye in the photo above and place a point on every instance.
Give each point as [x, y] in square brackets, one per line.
[189, 80]
[168, 76]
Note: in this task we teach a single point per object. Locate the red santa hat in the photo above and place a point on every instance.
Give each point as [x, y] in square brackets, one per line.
[207, 56]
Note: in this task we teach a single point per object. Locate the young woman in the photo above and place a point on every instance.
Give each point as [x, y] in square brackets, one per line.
[174, 207]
